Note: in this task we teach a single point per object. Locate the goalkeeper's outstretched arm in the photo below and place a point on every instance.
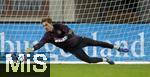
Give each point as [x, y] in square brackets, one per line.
[38, 45]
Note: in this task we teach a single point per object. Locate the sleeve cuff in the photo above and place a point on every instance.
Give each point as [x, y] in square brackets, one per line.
[32, 49]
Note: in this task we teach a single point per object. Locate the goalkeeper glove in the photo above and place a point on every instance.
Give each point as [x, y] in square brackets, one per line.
[28, 50]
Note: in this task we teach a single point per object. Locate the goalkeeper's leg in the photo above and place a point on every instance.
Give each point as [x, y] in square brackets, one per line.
[91, 42]
[80, 54]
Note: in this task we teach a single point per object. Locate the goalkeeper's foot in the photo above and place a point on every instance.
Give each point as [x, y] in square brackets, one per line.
[108, 60]
[123, 50]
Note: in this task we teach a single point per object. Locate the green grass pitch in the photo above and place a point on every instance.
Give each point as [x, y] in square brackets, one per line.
[99, 70]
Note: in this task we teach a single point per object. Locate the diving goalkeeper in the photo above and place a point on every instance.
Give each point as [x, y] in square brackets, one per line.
[63, 37]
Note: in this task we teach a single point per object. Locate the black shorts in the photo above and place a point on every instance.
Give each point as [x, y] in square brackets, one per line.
[79, 46]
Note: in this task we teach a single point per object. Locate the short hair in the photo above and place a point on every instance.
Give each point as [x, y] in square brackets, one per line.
[48, 19]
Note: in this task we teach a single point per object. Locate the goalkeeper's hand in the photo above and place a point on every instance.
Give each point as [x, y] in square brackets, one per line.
[28, 50]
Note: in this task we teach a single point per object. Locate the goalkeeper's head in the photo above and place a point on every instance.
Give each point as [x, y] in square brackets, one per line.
[47, 19]
[47, 24]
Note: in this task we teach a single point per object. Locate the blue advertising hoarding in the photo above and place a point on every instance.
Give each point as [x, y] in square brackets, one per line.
[16, 37]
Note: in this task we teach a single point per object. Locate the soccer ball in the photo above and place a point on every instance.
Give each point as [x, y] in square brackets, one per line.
[20, 59]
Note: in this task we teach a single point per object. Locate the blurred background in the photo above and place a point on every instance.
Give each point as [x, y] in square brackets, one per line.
[87, 11]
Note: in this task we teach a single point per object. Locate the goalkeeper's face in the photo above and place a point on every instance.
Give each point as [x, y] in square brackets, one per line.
[48, 26]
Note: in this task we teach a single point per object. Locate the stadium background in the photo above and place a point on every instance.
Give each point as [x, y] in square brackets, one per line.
[123, 22]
